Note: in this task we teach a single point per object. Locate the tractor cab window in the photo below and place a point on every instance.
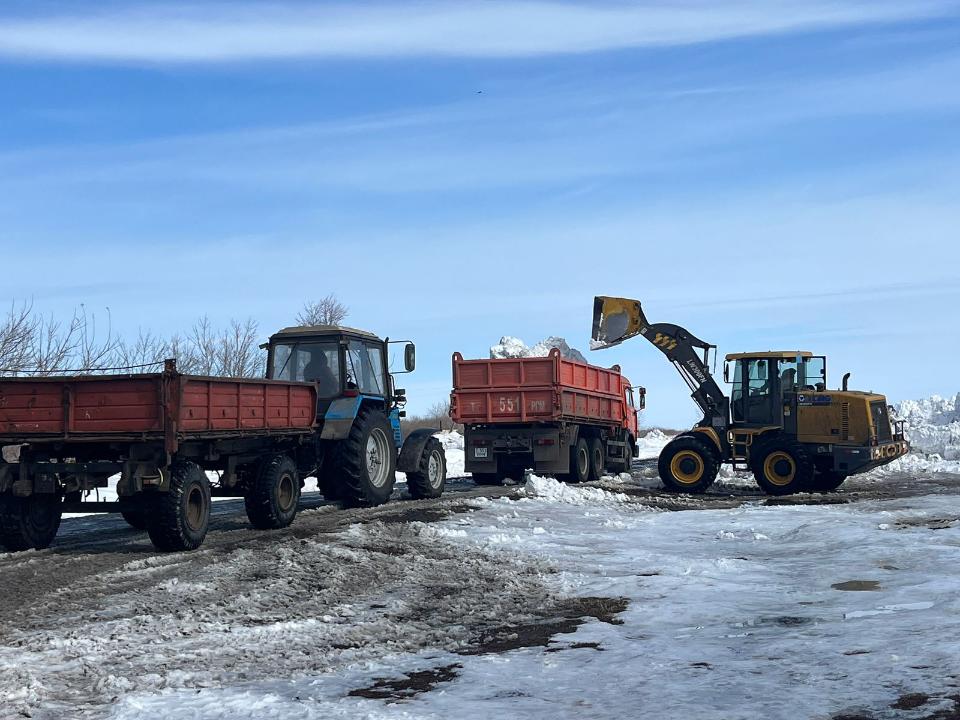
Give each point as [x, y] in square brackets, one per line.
[316, 362]
[365, 367]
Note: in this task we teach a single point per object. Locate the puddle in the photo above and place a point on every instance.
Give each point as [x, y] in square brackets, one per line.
[410, 685]
[857, 585]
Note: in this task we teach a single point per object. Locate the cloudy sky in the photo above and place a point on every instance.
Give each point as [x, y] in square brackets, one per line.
[770, 174]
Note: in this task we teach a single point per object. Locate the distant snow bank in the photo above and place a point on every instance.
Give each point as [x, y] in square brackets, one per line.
[933, 429]
[511, 347]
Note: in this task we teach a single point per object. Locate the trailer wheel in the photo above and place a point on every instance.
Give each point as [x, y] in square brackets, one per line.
[29, 523]
[598, 459]
[180, 517]
[272, 497]
[687, 465]
[827, 481]
[367, 459]
[431, 476]
[579, 463]
[136, 519]
[781, 467]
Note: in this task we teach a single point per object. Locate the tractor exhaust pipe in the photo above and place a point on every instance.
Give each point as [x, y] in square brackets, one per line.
[846, 379]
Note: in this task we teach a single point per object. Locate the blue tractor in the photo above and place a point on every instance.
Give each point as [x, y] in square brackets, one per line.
[358, 446]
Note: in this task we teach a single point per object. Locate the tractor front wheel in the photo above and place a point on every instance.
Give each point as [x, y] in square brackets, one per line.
[430, 477]
[688, 465]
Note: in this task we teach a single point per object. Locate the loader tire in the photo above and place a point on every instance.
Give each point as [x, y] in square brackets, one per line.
[827, 481]
[29, 523]
[598, 458]
[366, 460]
[179, 518]
[272, 497]
[579, 463]
[781, 466]
[431, 475]
[688, 465]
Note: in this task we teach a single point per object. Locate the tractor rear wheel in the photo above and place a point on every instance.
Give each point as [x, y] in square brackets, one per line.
[598, 458]
[579, 463]
[781, 466]
[431, 476]
[366, 460]
[688, 465]
[272, 497]
[29, 523]
[180, 517]
[827, 481]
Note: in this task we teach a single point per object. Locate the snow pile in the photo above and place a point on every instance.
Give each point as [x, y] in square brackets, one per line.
[452, 442]
[933, 425]
[511, 347]
[652, 443]
[551, 490]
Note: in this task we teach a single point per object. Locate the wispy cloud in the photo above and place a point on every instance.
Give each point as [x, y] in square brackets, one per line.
[205, 32]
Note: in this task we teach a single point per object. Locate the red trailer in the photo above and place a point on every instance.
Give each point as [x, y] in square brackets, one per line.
[551, 414]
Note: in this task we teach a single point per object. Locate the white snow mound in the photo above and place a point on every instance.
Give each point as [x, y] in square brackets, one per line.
[933, 425]
[511, 347]
[545, 488]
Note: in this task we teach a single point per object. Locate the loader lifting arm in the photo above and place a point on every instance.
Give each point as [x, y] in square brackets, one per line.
[617, 319]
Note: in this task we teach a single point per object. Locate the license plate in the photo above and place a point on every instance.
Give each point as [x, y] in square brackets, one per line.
[480, 452]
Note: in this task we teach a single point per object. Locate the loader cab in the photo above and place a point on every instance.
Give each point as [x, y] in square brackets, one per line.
[341, 361]
[762, 382]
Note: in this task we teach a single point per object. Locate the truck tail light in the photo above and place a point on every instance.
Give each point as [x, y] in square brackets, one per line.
[481, 443]
[545, 441]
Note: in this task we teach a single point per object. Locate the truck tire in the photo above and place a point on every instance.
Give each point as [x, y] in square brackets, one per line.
[598, 458]
[431, 475]
[781, 466]
[272, 497]
[827, 481]
[367, 459]
[29, 523]
[488, 479]
[688, 465]
[579, 463]
[136, 519]
[179, 518]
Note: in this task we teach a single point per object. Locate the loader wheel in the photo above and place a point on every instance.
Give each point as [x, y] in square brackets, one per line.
[781, 467]
[136, 519]
[579, 463]
[367, 460]
[827, 481]
[431, 476]
[29, 523]
[688, 465]
[598, 459]
[179, 518]
[272, 497]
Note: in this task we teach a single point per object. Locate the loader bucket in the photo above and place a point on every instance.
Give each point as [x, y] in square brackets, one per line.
[615, 320]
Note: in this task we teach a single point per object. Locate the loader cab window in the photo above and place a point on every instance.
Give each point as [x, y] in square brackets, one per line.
[813, 373]
[752, 397]
[316, 362]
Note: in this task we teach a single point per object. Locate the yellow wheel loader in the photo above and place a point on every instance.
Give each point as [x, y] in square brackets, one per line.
[779, 422]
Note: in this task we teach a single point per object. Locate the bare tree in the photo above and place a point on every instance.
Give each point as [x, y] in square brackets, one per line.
[326, 311]
[16, 336]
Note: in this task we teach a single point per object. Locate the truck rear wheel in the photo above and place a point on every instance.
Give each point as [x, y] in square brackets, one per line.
[579, 463]
[180, 517]
[598, 459]
[367, 460]
[272, 497]
[687, 465]
[29, 523]
[431, 476]
[488, 479]
[781, 467]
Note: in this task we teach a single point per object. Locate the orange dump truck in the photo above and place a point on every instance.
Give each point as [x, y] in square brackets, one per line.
[550, 414]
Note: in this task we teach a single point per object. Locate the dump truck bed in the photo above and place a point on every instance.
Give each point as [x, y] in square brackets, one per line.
[536, 389]
[167, 405]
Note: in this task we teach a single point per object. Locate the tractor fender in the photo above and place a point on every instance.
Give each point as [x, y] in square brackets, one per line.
[412, 449]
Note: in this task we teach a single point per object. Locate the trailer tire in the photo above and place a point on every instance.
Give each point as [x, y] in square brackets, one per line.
[136, 519]
[430, 477]
[179, 518]
[781, 466]
[598, 459]
[827, 481]
[579, 463]
[272, 497]
[688, 465]
[488, 479]
[29, 523]
[367, 459]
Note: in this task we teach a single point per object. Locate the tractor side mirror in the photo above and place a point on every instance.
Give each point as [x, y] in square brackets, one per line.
[410, 357]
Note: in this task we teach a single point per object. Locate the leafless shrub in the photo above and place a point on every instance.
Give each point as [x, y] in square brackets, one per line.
[437, 416]
[326, 311]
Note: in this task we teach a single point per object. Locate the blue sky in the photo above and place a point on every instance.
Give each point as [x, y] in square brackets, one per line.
[770, 174]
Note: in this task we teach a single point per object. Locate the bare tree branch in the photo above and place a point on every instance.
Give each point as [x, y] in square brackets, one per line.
[326, 311]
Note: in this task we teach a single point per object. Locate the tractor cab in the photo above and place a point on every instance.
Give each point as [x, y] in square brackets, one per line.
[763, 383]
